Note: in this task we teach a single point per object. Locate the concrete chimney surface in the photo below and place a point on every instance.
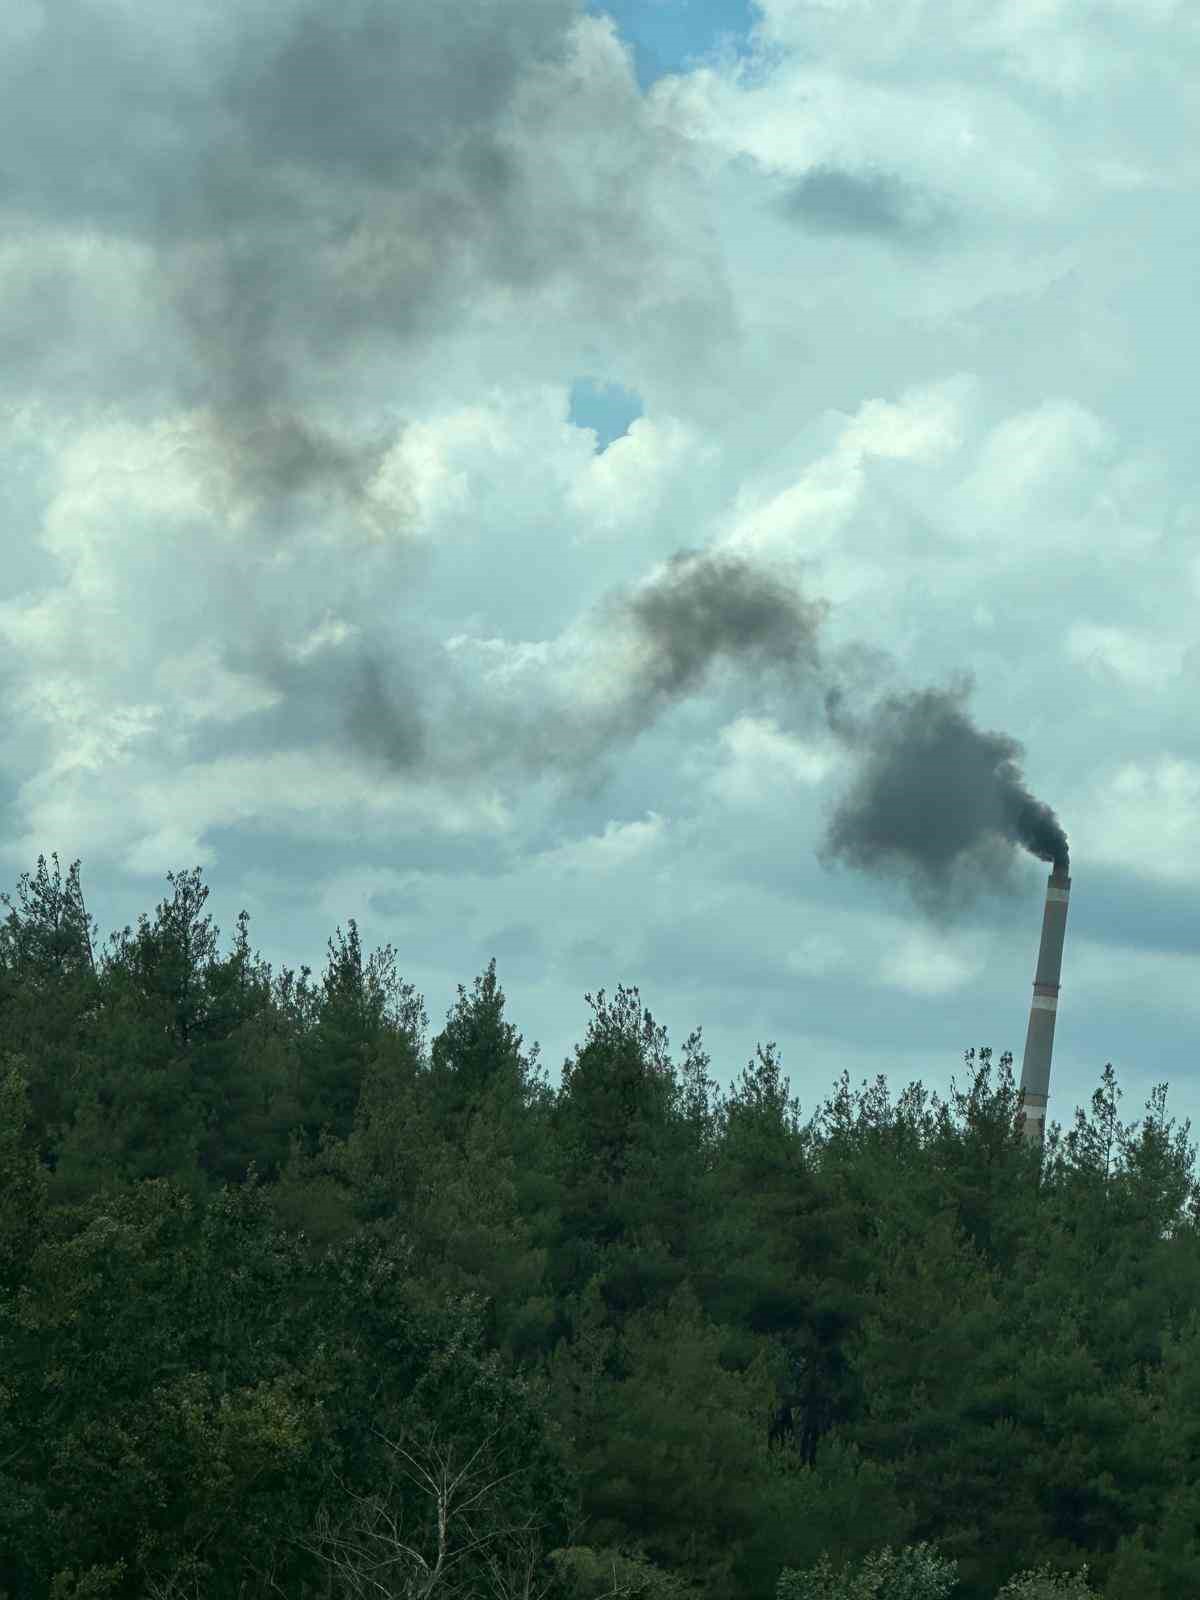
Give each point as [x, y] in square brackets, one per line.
[1039, 1040]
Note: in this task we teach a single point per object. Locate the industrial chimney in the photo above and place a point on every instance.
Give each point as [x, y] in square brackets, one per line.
[1039, 1041]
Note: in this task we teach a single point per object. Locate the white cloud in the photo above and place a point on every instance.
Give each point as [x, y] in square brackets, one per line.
[622, 488]
[815, 512]
[1059, 46]
[941, 132]
[920, 964]
[803, 518]
[112, 474]
[328, 634]
[505, 661]
[622, 844]
[1144, 816]
[457, 465]
[1133, 657]
[761, 766]
[1042, 453]
[924, 425]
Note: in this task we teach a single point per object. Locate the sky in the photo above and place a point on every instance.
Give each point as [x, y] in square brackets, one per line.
[688, 494]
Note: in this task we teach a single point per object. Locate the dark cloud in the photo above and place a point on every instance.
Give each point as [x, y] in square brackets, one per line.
[405, 703]
[357, 187]
[831, 200]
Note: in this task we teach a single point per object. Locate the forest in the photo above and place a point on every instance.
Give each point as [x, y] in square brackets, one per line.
[298, 1301]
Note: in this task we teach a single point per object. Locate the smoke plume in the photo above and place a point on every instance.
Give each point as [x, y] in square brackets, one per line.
[934, 800]
[303, 194]
[307, 193]
[713, 604]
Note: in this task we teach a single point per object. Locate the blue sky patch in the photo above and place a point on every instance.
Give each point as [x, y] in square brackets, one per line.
[668, 34]
[606, 407]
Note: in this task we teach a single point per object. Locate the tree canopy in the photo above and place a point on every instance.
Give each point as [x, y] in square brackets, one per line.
[297, 1301]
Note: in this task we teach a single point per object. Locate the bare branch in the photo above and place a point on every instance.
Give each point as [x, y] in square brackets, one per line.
[381, 1560]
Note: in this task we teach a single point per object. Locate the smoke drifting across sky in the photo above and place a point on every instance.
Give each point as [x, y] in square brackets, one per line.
[934, 800]
[313, 572]
[323, 182]
[302, 192]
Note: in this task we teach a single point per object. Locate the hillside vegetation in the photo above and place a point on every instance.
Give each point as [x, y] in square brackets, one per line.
[296, 1301]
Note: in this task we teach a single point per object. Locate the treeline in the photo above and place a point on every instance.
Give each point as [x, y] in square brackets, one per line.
[296, 1302]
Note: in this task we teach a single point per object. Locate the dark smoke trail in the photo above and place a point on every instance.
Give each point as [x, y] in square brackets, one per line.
[933, 800]
[316, 192]
[708, 605]
[935, 797]
[704, 607]
[936, 800]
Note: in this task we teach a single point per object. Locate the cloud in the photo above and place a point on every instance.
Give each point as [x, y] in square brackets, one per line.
[1145, 813]
[928, 796]
[763, 767]
[620, 845]
[932, 798]
[925, 425]
[1044, 451]
[1133, 657]
[624, 487]
[919, 965]
[881, 205]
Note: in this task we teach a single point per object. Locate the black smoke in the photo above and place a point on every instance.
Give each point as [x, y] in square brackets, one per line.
[710, 605]
[297, 194]
[934, 800]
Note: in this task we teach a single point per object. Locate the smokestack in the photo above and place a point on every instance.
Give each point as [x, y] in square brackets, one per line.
[1039, 1041]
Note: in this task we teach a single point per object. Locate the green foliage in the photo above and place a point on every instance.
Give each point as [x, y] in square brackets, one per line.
[632, 1145]
[279, 1285]
[982, 1165]
[48, 941]
[617, 1091]
[915, 1573]
[350, 1019]
[477, 1065]
[671, 1451]
[97, 1583]
[48, 994]
[1043, 1584]
[846, 1503]
[23, 1181]
[605, 1574]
